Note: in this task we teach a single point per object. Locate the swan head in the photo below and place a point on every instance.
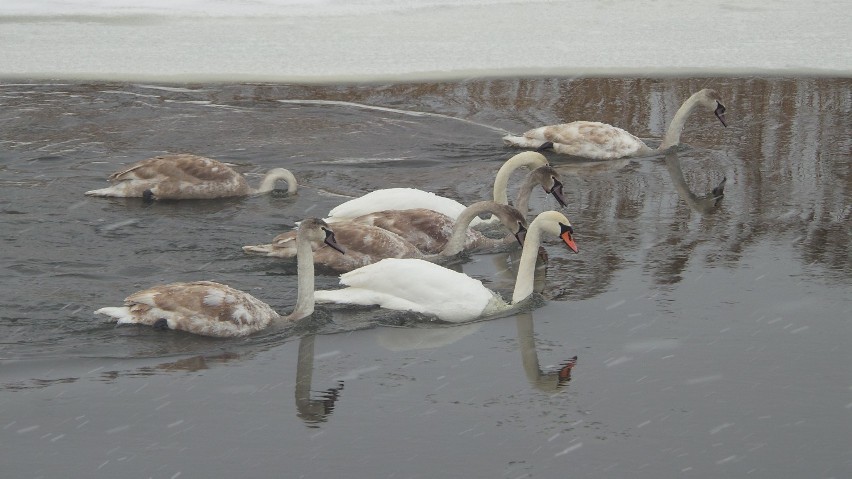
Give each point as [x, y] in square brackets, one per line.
[318, 230]
[549, 180]
[513, 220]
[557, 224]
[711, 99]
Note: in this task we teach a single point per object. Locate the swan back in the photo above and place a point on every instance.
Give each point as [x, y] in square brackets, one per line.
[200, 307]
[414, 285]
[394, 198]
[365, 244]
[181, 176]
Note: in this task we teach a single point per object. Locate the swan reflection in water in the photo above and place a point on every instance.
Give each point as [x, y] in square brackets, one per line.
[312, 410]
[703, 204]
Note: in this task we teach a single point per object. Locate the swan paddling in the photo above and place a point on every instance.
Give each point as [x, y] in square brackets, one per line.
[418, 233]
[423, 287]
[186, 176]
[214, 309]
[600, 141]
[411, 198]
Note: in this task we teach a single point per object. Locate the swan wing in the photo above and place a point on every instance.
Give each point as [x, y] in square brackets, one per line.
[415, 285]
[395, 199]
[176, 177]
[201, 307]
[426, 229]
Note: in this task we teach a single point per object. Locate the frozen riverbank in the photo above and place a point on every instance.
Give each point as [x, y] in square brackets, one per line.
[309, 41]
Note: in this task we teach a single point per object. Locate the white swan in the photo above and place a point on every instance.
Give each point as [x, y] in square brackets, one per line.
[431, 235]
[410, 198]
[214, 309]
[423, 287]
[186, 176]
[600, 141]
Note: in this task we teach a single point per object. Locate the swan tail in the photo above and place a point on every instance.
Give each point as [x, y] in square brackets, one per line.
[104, 192]
[118, 314]
[522, 142]
[261, 249]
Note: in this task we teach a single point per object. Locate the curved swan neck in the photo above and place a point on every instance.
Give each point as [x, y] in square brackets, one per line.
[522, 204]
[457, 240]
[268, 182]
[526, 266]
[530, 159]
[305, 277]
[672, 137]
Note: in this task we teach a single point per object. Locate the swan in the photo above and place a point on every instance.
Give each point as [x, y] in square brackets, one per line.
[186, 176]
[215, 309]
[438, 236]
[424, 287]
[410, 198]
[600, 141]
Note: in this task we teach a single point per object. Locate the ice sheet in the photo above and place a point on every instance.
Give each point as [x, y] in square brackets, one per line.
[336, 40]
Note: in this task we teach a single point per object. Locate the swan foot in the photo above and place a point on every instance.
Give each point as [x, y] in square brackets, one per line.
[565, 371]
[148, 197]
[161, 324]
[547, 145]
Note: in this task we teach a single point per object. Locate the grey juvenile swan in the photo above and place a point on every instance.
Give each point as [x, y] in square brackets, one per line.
[214, 309]
[600, 141]
[186, 176]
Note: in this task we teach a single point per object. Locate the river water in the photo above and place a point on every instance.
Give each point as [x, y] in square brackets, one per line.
[712, 339]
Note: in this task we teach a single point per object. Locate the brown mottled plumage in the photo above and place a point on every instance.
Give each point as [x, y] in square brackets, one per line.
[600, 141]
[215, 309]
[186, 176]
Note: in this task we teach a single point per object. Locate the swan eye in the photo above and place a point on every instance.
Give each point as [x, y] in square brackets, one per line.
[565, 229]
[720, 108]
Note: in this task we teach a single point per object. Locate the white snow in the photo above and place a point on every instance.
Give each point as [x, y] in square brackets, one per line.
[340, 40]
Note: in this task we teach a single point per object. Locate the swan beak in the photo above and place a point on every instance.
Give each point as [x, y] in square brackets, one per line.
[556, 191]
[567, 235]
[720, 114]
[329, 240]
[521, 235]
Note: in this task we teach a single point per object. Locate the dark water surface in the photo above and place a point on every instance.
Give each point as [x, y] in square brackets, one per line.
[713, 341]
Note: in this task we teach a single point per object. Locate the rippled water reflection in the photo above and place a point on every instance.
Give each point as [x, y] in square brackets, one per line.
[711, 333]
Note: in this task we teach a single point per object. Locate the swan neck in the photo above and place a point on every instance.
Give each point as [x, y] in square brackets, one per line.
[268, 182]
[530, 159]
[458, 237]
[526, 267]
[672, 137]
[522, 204]
[305, 279]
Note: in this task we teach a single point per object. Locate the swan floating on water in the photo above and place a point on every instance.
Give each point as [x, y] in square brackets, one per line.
[423, 287]
[600, 141]
[411, 198]
[186, 176]
[430, 235]
[215, 309]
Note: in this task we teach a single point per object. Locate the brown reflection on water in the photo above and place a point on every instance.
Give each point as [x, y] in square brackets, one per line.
[786, 155]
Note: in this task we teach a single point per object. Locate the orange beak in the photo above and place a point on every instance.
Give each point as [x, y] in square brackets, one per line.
[569, 241]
